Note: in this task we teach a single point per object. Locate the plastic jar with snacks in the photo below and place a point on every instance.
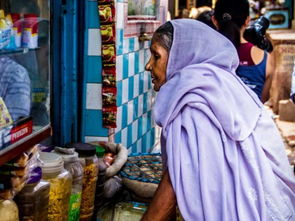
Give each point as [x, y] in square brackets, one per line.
[89, 162]
[8, 210]
[33, 200]
[60, 186]
[73, 165]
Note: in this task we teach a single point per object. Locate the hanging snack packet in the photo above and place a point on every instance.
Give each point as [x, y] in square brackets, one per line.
[9, 22]
[109, 115]
[109, 95]
[106, 13]
[109, 54]
[109, 80]
[109, 76]
[108, 33]
[105, 2]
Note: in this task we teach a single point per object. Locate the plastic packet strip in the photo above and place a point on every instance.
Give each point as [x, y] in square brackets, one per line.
[109, 96]
[109, 54]
[109, 115]
[100, 2]
[106, 13]
[108, 33]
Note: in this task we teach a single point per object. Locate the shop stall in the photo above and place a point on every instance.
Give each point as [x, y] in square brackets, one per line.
[77, 70]
[76, 124]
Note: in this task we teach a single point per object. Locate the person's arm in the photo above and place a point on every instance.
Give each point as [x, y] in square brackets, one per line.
[18, 94]
[270, 68]
[163, 205]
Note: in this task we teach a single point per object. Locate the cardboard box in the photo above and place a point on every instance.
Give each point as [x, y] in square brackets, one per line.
[284, 53]
[286, 110]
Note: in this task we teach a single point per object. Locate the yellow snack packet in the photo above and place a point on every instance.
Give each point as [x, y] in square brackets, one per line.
[5, 118]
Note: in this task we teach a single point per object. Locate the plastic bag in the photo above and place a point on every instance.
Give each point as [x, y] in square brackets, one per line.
[121, 153]
[112, 186]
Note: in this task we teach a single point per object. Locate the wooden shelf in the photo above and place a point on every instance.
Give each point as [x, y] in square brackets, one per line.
[24, 144]
[16, 51]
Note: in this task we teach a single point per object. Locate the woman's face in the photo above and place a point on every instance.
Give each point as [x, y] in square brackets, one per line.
[157, 64]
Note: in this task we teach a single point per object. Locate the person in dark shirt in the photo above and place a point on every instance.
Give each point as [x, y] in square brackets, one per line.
[231, 18]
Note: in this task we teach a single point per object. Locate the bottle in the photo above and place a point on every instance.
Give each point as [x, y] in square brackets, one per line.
[5, 31]
[99, 198]
[8, 210]
[60, 185]
[9, 23]
[88, 159]
[17, 29]
[30, 31]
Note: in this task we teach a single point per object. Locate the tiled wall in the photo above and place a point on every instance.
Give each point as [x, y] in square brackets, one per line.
[134, 119]
[135, 127]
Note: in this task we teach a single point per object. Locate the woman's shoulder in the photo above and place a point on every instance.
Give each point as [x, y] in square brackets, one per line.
[257, 55]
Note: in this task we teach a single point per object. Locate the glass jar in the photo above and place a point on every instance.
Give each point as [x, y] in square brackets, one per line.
[33, 200]
[60, 186]
[88, 159]
[73, 165]
[131, 211]
[8, 210]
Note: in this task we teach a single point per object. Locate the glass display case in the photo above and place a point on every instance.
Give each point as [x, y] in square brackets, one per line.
[24, 70]
[142, 8]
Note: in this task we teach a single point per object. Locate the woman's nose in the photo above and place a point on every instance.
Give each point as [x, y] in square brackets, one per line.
[148, 66]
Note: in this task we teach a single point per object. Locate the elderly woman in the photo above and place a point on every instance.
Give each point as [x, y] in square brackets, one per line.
[223, 156]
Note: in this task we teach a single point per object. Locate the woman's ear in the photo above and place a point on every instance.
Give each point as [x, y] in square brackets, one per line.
[215, 22]
[247, 21]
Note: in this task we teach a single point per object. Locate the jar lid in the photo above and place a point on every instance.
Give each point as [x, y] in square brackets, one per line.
[51, 162]
[67, 157]
[83, 149]
[30, 16]
[100, 151]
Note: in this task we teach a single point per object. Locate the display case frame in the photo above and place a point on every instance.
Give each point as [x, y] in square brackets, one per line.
[21, 135]
[137, 25]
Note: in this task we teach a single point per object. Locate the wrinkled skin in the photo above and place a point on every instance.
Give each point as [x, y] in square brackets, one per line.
[157, 64]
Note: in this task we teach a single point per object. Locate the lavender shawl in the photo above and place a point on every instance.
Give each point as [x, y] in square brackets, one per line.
[225, 156]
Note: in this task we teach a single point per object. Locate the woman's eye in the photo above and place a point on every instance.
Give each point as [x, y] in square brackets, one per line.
[157, 56]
